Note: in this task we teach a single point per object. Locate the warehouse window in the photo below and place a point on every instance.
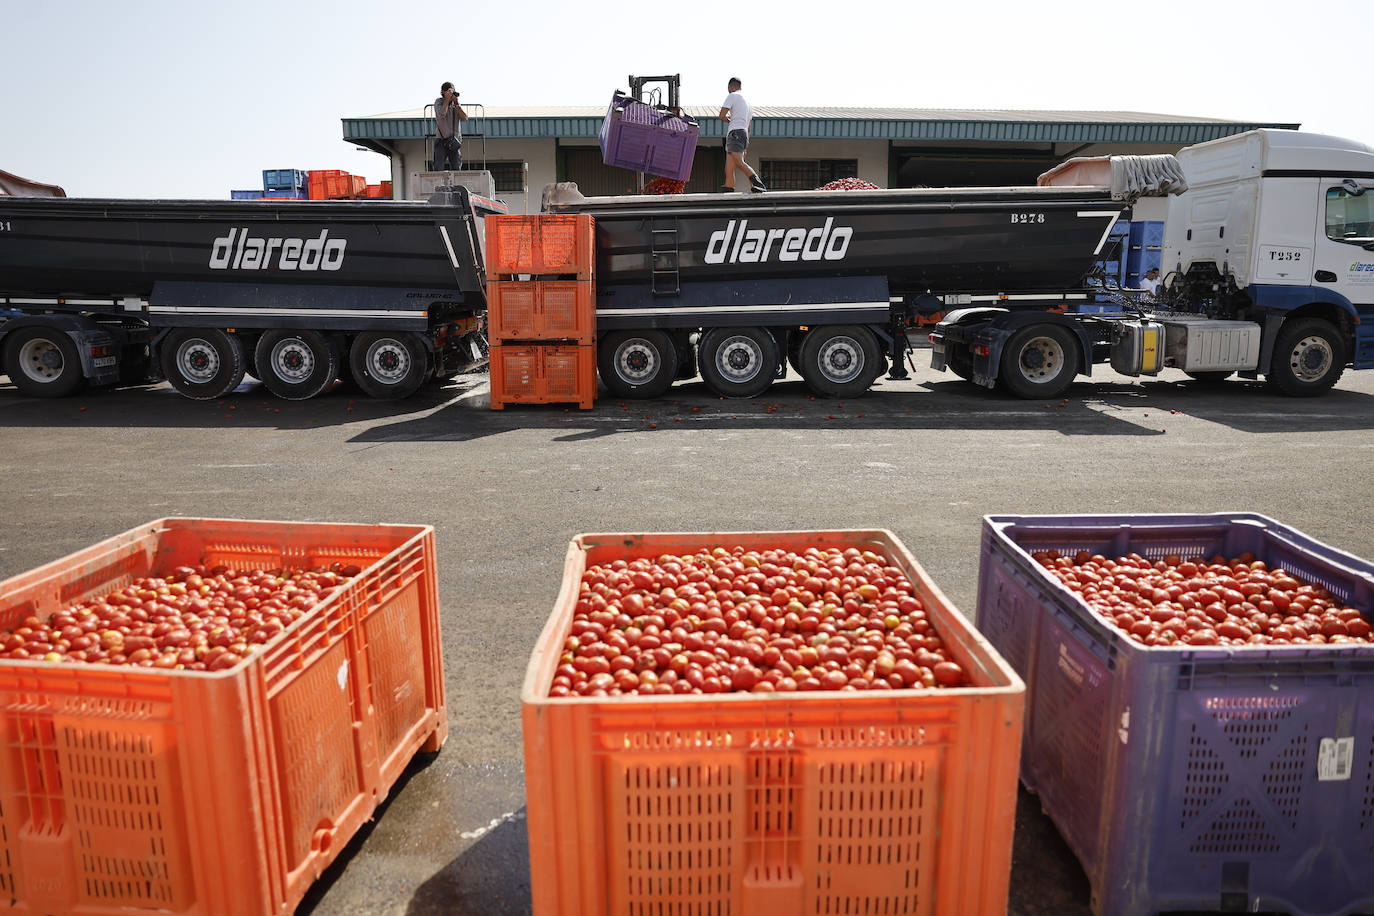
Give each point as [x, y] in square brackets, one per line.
[806, 174]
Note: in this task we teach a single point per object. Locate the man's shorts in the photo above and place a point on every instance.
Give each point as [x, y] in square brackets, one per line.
[736, 141]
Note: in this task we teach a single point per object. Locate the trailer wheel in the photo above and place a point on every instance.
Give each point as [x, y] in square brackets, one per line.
[738, 362]
[43, 362]
[840, 361]
[637, 364]
[1039, 362]
[296, 365]
[388, 365]
[203, 363]
[1308, 358]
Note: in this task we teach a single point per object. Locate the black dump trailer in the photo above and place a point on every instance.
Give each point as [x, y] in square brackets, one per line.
[738, 286]
[296, 293]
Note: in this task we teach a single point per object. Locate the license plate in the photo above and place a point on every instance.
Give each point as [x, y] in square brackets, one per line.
[101, 362]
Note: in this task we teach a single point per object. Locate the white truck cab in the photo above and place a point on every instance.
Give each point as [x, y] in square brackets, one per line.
[1277, 226]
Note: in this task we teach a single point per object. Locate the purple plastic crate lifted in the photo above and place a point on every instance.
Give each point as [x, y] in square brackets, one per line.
[1190, 778]
[642, 138]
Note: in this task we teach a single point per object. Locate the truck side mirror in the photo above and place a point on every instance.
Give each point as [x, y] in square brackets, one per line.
[1353, 187]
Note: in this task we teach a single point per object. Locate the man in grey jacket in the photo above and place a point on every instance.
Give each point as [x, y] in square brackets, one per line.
[449, 116]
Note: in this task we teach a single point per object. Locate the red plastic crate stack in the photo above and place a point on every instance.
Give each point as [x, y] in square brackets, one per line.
[541, 310]
[332, 184]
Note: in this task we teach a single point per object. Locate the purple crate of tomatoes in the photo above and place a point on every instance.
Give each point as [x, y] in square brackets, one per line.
[643, 138]
[1226, 777]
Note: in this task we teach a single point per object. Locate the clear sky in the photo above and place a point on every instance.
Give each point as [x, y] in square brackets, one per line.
[146, 98]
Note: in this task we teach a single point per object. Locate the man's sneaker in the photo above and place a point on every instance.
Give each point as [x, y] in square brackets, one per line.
[757, 184]
[726, 189]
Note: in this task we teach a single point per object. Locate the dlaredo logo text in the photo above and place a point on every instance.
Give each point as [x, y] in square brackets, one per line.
[240, 251]
[1359, 267]
[738, 244]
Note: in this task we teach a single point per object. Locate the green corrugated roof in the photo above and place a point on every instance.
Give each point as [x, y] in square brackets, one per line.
[838, 124]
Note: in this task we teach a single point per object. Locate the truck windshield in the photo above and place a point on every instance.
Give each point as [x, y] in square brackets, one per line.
[1349, 218]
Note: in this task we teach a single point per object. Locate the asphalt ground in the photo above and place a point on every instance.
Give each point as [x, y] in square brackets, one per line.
[505, 491]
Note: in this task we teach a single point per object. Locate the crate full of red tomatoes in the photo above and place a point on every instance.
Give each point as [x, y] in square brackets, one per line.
[1200, 712]
[765, 722]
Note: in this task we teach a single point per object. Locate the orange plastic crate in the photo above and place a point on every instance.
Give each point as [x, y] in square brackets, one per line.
[541, 310]
[331, 184]
[540, 244]
[853, 802]
[129, 789]
[357, 186]
[543, 374]
[386, 188]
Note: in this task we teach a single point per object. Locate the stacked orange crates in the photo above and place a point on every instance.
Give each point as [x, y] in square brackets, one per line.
[541, 309]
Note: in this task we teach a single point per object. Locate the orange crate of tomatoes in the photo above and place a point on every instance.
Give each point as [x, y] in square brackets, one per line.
[541, 310]
[543, 374]
[540, 244]
[127, 788]
[760, 800]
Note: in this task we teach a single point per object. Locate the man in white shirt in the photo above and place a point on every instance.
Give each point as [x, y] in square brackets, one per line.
[1150, 282]
[735, 111]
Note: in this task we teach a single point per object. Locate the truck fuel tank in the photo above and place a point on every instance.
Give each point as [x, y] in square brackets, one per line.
[1138, 347]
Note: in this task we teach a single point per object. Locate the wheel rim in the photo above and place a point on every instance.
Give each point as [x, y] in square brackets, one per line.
[292, 360]
[637, 361]
[388, 361]
[1311, 359]
[1042, 359]
[841, 359]
[41, 360]
[197, 360]
[738, 359]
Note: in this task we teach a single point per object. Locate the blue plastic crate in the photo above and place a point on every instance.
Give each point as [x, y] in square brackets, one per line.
[251, 194]
[291, 194]
[1121, 227]
[1187, 778]
[1140, 260]
[1147, 234]
[283, 179]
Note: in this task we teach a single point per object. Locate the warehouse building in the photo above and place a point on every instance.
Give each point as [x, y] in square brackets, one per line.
[793, 148]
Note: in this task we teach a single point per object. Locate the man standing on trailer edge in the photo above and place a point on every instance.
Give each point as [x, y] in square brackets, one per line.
[448, 116]
[735, 111]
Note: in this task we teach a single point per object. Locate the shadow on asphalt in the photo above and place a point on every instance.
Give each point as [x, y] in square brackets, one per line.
[458, 411]
[331, 874]
[490, 878]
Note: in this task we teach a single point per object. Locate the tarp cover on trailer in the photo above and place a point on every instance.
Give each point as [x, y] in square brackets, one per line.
[1129, 177]
[14, 186]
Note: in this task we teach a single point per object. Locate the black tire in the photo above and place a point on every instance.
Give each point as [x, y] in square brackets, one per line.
[738, 362]
[1309, 357]
[1209, 378]
[1039, 361]
[43, 362]
[840, 361]
[637, 364]
[959, 361]
[203, 363]
[388, 365]
[296, 365]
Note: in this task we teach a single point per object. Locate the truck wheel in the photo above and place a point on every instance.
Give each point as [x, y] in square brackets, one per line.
[1039, 362]
[840, 361]
[203, 363]
[1308, 358]
[388, 365]
[637, 364]
[43, 362]
[738, 362]
[296, 365]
